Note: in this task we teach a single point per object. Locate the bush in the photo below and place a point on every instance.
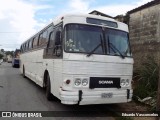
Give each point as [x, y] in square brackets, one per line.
[1, 56]
[146, 77]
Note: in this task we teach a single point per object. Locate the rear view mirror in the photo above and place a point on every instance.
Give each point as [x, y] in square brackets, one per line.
[58, 38]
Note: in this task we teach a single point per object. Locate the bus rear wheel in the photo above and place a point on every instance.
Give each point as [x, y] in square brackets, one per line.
[48, 88]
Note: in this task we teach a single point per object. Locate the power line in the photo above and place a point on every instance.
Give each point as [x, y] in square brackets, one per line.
[10, 44]
[16, 32]
[4, 45]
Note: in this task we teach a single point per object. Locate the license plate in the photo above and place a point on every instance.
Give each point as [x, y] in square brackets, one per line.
[104, 82]
[106, 95]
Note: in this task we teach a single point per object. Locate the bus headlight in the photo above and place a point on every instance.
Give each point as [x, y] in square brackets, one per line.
[77, 81]
[124, 82]
[85, 82]
[127, 82]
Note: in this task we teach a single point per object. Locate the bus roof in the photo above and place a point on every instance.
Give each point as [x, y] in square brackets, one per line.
[59, 19]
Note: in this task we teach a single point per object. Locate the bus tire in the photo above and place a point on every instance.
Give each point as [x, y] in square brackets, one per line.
[48, 88]
[24, 72]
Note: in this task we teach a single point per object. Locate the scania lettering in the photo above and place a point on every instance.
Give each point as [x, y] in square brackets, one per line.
[105, 82]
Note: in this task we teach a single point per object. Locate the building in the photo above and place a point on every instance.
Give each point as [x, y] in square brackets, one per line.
[144, 26]
[9, 58]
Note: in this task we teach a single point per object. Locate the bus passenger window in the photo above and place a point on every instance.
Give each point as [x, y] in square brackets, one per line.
[45, 33]
[58, 38]
[43, 38]
[30, 44]
[35, 42]
[51, 40]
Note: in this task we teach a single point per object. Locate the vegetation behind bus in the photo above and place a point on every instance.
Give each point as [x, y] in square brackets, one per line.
[1, 56]
[146, 80]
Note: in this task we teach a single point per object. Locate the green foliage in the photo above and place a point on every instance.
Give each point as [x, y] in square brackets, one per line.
[1, 56]
[9, 53]
[147, 79]
[2, 50]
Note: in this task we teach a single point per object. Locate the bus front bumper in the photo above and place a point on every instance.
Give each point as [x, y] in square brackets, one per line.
[95, 97]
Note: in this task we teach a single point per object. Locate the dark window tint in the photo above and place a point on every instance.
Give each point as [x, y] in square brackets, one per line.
[83, 38]
[43, 38]
[102, 22]
[118, 42]
[26, 46]
[50, 29]
[40, 39]
[51, 40]
[57, 35]
[45, 33]
[30, 44]
[21, 49]
[35, 42]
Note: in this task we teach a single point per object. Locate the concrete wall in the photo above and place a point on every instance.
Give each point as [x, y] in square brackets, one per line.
[144, 26]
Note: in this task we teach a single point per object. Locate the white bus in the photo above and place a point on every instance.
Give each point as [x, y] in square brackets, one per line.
[81, 59]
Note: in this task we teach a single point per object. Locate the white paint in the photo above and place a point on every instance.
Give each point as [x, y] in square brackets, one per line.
[74, 65]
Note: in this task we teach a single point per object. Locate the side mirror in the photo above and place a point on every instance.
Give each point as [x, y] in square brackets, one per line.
[58, 38]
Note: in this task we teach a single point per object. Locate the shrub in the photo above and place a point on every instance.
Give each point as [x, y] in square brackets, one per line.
[146, 77]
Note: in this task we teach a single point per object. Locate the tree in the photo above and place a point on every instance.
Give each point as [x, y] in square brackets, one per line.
[2, 50]
[9, 53]
[1, 56]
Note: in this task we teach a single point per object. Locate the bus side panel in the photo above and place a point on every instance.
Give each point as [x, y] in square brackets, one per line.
[33, 64]
[39, 68]
[56, 81]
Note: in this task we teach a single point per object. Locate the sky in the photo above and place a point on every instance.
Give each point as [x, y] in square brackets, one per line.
[19, 19]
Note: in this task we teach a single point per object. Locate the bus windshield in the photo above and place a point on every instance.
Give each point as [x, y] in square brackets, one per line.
[86, 38]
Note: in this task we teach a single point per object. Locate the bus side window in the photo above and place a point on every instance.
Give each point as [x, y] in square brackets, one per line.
[21, 49]
[58, 38]
[35, 42]
[27, 44]
[43, 38]
[24, 47]
[50, 46]
[30, 44]
[40, 39]
[51, 40]
[58, 42]
[45, 33]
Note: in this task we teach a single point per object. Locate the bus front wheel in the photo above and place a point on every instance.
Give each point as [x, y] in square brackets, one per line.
[48, 88]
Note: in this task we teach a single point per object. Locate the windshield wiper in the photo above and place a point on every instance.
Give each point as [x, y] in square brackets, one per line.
[115, 49]
[90, 53]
